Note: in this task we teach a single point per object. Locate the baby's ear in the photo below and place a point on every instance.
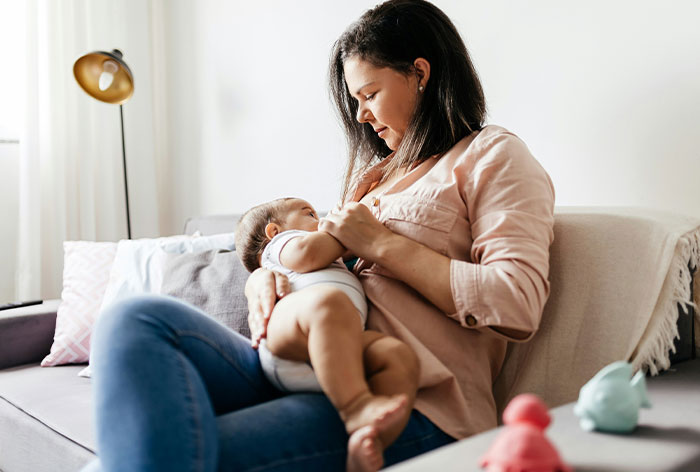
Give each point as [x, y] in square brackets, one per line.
[272, 230]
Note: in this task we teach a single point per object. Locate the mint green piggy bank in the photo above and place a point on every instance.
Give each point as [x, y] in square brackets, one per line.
[610, 401]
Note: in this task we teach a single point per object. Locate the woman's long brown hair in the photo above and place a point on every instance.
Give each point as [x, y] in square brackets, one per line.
[452, 106]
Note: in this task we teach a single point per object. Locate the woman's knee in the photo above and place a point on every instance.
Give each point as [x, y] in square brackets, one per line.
[128, 317]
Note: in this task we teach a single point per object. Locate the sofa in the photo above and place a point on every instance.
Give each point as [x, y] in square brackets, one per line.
[623, 287]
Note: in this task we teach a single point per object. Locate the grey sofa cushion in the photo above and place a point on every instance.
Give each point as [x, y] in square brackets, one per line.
[213, 281]
[46, 419]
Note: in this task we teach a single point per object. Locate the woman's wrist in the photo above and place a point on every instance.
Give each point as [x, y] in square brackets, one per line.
[420, 267]
[391, 248]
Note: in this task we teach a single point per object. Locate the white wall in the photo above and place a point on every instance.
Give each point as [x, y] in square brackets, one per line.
[249, 116]
[605, 94]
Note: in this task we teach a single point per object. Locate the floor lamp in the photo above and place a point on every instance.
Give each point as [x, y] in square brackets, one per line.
[105, 76]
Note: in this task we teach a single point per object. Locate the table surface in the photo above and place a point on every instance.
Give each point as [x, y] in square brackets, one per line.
[667, 437]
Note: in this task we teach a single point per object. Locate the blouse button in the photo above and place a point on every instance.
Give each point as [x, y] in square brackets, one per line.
[471, 321]
[375, 201]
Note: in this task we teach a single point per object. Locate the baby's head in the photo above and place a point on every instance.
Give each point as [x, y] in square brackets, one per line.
[261, 223]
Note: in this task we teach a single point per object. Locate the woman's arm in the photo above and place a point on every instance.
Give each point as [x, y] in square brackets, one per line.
[369, 239]
[434, 284]
[408, 259]
[310, 252]
[405, 258]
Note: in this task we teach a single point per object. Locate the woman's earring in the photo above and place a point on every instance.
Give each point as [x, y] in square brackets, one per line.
[421, 88]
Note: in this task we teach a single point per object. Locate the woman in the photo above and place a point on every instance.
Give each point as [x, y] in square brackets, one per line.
[451, 222]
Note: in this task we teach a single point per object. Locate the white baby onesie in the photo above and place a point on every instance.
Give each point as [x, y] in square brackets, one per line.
[295, 376]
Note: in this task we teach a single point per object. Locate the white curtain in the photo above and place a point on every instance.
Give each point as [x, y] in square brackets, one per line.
[71, 183]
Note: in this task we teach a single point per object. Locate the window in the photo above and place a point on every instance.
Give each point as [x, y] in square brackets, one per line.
[12, 41]
[12, 95]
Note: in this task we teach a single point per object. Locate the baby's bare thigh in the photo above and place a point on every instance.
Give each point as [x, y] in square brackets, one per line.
[287, 331]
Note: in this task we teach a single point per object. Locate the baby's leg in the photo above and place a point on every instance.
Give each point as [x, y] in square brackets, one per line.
[391, 366]
[392, 370]
[320, 324]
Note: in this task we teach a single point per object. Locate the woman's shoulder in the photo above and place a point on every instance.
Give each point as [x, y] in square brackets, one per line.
[495, 171]
[494, 153]
[489, 145]
[493, 135]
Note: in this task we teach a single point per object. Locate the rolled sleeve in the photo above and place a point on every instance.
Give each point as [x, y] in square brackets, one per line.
[463, 284]
[510, 200]
[494, 297]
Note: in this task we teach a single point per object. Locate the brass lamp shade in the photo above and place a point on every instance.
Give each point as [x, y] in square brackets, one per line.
[106, 77]
[87, 71]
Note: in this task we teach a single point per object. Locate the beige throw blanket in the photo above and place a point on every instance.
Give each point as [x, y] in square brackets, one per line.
[617, 278]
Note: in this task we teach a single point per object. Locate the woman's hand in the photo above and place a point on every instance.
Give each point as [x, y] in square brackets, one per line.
[263, 289]
[357, 229]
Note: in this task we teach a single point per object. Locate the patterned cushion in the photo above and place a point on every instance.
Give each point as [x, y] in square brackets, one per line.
[86, 270]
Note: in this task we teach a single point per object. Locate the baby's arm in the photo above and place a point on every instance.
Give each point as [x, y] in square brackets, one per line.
[311, 252]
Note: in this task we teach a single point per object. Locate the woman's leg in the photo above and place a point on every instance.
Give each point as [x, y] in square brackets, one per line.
[162, 371]
[303, 432]
[296, 432]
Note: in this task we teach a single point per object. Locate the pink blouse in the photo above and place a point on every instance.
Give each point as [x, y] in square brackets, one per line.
[488, 205]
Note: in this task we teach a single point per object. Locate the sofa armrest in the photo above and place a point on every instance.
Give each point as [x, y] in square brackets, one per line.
[26, 333]
[617, 278]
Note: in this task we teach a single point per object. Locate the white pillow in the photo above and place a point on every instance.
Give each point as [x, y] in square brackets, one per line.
[138, 264]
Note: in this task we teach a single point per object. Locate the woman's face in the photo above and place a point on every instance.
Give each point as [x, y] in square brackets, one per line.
[386, 98]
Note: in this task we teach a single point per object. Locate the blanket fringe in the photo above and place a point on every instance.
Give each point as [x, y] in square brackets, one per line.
[654, 356]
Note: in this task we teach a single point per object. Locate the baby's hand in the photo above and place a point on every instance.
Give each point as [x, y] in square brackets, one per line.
[336, 210]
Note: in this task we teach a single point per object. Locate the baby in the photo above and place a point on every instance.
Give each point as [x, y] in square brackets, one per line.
[369, 377]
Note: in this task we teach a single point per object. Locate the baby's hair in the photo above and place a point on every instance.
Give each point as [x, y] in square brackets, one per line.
[250, 231]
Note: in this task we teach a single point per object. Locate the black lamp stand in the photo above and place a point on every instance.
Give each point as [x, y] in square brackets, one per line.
[126, 184]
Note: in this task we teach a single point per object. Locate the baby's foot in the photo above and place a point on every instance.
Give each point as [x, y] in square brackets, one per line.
[365, 446]
[382, 412]
[364, 451]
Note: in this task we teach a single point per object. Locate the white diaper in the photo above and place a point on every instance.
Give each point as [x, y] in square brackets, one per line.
[288, 376]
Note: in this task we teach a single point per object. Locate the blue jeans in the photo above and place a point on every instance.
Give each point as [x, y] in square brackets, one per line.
[174, 390]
